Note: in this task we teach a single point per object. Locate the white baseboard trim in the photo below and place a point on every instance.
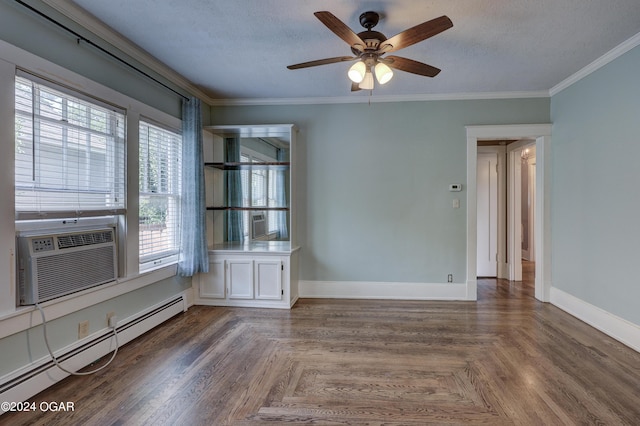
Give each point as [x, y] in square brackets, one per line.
[22, 384]
[620, 329]
[245, 303]
[381, 290]
[472, 290]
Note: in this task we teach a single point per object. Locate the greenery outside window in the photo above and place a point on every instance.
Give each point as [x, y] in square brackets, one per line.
[160, 156]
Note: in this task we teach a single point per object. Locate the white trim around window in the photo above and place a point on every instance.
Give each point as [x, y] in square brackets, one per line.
[12, 59]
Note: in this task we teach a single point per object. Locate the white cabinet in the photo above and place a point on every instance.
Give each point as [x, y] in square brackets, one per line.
[211, 285]
[238, 278]
[268, 279]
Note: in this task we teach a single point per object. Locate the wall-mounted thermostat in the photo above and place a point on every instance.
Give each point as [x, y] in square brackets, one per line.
[455, 187]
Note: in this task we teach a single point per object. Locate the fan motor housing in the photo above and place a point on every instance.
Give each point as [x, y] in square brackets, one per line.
[372, 40]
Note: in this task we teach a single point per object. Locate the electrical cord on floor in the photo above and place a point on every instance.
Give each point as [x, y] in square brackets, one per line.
[55, 361]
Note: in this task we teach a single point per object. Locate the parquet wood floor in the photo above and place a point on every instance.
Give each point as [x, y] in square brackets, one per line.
[504, 360]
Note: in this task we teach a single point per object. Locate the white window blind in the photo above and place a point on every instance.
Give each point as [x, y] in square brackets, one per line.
[70, 153]
[160, 180]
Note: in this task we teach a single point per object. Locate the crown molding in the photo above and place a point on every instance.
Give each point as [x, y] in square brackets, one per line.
[359, 99]
[109, 35]
[611, 55]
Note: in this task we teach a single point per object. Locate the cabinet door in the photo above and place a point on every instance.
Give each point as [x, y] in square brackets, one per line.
[240, 278]
[212, 284]
[268, 276]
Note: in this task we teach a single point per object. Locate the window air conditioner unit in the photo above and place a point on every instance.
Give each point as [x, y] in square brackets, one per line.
[259, 225]
[52, 266]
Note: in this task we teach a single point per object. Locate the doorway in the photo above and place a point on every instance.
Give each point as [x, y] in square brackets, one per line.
[541, 134]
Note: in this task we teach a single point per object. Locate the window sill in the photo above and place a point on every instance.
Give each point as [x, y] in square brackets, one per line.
[156, 264]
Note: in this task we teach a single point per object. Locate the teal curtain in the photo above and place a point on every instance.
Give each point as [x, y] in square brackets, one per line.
[281, 198]
[193, 235]
[235, 230]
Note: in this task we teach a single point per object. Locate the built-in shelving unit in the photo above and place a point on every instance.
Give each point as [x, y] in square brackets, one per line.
[251, 221]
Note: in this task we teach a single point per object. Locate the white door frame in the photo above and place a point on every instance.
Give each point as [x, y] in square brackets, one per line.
[542, 135]
[514, 209]
[514, 214]
[531, 164]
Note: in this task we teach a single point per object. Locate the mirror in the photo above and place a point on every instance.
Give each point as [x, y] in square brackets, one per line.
[262, 182]
[251, 184]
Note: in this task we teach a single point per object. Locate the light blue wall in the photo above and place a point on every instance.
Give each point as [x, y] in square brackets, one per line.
[595, 201]
[373, 183]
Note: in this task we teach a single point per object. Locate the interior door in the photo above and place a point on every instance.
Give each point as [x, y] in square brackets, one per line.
[487, 212]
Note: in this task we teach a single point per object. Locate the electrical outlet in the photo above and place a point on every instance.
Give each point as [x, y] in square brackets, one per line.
[450, 278]
[113, 322]
[83, 329]
[109, 316]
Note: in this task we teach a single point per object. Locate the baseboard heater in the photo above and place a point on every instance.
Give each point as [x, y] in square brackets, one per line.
[42, 374]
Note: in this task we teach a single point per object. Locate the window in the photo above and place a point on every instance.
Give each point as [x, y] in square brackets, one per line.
[259, 191]
[160, 180]
[70, 153]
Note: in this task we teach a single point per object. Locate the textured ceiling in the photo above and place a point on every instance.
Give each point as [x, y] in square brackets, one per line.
[240, 49]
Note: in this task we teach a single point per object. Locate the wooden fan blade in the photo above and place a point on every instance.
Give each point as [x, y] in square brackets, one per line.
[416, 34]
[355, 87]
[409, 65]
[340, 29]
[322, 62]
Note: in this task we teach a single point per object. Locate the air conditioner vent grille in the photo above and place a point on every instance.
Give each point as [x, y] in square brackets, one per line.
[89, 238]
[65, 273]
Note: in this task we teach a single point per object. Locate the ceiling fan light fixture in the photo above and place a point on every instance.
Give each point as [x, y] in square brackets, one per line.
[367, 82]
[383, 73]
[357, 72]
[368, 47]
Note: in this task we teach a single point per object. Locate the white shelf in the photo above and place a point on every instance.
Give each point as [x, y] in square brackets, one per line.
[274, 247]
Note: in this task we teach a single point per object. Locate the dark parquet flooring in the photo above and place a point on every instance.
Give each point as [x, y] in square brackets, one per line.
[507, 359]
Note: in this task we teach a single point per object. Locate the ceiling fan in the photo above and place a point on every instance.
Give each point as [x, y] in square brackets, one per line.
[369, 48]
